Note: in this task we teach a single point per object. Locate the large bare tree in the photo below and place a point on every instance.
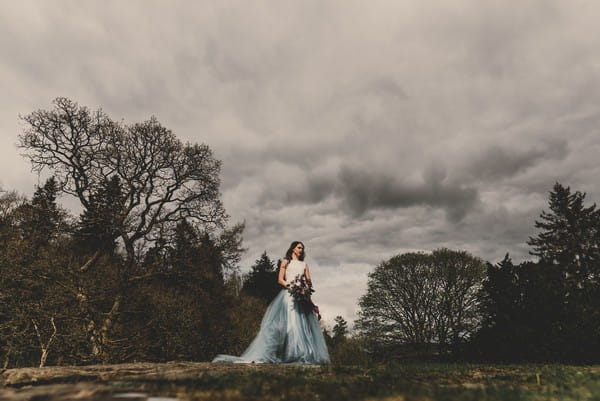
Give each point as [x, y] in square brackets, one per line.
[162, 181]
[421, 299]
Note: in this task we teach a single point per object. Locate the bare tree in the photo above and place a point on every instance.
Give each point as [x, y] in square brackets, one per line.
[459, 279]
[45, 340]
[422, 299]
[9, 201]
[162, 181]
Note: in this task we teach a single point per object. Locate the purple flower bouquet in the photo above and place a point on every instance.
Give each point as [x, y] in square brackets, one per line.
[301, 289]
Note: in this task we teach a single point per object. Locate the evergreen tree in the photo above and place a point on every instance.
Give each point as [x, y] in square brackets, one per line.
[500, 295]
[101, 222]
[548, 310]
[261, 282]
[39, 220]
[570, 235]
[570, 241]
[522, 308]
[340, 330]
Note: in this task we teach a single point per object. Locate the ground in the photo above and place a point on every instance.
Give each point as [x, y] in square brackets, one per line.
[206, 381]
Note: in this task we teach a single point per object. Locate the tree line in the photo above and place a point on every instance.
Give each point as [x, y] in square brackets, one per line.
[149, 270]
[450, 304]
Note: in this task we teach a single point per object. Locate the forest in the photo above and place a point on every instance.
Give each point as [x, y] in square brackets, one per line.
[149, 270]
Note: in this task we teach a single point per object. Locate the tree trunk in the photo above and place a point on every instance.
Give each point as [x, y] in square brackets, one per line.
[7, 359]
[104, 332]
[130, 249]
[44, 346]
[43, 357]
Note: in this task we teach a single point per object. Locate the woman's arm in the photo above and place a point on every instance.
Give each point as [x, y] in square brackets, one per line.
[306, 272]
[281, 278]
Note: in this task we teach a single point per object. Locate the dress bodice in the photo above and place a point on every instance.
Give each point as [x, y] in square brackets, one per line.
[294, 268]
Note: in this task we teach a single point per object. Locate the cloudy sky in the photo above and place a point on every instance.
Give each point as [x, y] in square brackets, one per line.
[364, 129]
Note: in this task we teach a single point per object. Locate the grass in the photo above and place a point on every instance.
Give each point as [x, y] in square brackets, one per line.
[408, 381]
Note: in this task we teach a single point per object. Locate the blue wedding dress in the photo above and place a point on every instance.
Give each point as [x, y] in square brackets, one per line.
[289, 332]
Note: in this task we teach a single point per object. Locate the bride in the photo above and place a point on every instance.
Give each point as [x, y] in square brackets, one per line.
[289, 331]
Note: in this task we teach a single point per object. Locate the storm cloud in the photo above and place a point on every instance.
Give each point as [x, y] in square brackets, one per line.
[365, 130]
[358, 190]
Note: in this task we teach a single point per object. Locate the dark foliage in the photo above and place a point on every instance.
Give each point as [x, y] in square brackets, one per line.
[101, 222]
[36, 313]
[569, 234]
[179, 312]
[340, 330]
[261, 281]
[547, 310]
[141, 274]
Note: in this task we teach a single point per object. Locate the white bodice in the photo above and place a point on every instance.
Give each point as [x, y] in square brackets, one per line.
[294, 268]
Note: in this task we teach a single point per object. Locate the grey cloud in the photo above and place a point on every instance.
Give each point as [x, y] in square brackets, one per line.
[382, 87]
[359, 190]
[501, 162]
[225, 67]
[362, 191]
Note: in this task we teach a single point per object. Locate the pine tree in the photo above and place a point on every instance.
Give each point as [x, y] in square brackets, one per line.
[101, 223]
[570, 241]
[523, 309]
[548, 310]
[340, 330]
[570, 234]
[40, 219]
[264, 264]
[261, 282]
[500, 295]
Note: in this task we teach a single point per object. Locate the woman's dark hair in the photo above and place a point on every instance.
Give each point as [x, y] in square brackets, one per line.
[288, 254]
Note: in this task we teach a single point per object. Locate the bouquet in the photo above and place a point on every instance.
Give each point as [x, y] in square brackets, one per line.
[301, 289]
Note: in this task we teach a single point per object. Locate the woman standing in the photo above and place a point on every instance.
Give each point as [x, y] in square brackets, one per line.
[289, 331]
